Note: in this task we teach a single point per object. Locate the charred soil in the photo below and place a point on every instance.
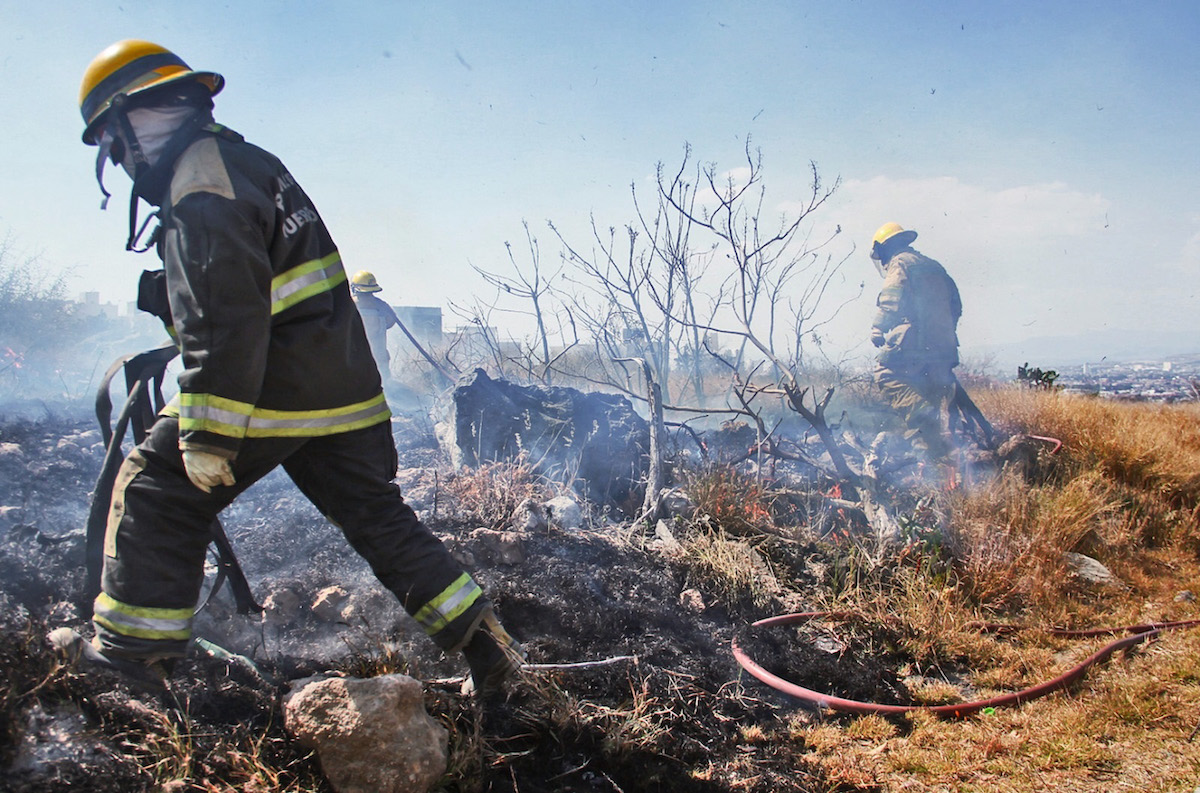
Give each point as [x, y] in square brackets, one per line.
[632, 687]
[669, 710]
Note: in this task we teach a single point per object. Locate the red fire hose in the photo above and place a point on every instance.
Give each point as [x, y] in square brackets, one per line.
[1055, 442]
[1139, 634]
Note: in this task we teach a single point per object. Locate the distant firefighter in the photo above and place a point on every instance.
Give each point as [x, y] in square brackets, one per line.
[377, 317]
[915, 330]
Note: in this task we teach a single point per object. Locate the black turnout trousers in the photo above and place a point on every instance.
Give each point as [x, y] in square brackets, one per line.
[159, 530]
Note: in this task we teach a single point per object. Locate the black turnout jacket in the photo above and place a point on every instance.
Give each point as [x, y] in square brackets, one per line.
[272, 344]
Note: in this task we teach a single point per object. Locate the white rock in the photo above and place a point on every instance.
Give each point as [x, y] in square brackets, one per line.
[564, 512]
[674, 503]
[1090, 570]
[502, 547]
[666, 539]
[531, 517]
[371, 736]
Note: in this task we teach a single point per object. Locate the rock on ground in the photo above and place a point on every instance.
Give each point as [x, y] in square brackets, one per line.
[372, 735]
[1091, 570]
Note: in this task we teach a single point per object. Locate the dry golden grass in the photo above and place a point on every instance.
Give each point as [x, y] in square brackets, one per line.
[732, 569]
[179, 755]
[1126, 483]
[1124, 489]
[1009, 538]
[1148, 454]
[1127, 727]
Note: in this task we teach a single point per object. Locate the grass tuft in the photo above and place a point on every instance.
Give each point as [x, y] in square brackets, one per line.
[491, 494]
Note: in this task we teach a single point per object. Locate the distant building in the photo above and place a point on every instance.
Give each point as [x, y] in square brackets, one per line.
[423, 322]
[473, 341]
[474, 344]
[90, 306]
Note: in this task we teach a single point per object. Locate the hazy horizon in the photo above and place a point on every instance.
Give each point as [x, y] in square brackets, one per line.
[1042, 152]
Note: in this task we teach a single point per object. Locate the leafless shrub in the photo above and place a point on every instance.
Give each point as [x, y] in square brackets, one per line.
[39, 328]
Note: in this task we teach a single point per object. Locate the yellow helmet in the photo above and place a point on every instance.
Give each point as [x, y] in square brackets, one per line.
[128, 68]
[364, 281]
[890, 233]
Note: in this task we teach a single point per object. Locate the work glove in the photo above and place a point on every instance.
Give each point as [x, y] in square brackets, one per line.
[492, 655]
[207, 470]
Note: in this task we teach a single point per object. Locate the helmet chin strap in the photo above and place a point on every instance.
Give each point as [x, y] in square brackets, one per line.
[106, 145]
[166, 131]
[137, 155]
[140, 164]
[118, 112]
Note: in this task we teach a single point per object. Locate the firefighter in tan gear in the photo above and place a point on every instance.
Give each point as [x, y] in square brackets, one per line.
[377, 318]
[276, 371]
[915, 329]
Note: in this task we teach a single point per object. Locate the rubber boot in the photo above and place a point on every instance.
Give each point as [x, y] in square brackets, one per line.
[493, 656]
[147, 675]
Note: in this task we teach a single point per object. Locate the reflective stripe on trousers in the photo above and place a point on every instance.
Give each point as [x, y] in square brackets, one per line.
[142, 622]
[451, 603]
[160, 537]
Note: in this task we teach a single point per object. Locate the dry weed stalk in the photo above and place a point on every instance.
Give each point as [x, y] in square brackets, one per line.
[731, 568]
[733, 502]
[490, 494]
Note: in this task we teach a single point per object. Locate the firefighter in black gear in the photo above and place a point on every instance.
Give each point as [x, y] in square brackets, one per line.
[276, 371]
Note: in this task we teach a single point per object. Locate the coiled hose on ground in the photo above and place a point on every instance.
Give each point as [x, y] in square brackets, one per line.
[1138, 634]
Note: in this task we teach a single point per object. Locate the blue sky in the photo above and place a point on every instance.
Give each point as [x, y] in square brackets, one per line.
[1045, 152]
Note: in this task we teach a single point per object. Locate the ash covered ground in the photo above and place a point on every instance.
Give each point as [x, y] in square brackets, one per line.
[673, 717]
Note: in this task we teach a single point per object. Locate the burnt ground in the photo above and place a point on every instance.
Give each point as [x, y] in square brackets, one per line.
[679, 716]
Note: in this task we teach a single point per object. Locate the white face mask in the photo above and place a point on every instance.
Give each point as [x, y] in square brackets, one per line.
[153, 127]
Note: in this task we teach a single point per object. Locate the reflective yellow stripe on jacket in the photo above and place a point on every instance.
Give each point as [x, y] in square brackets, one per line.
[305, 280]
[214, 414]
[453, 601]
[228, 417]
[142, 622]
